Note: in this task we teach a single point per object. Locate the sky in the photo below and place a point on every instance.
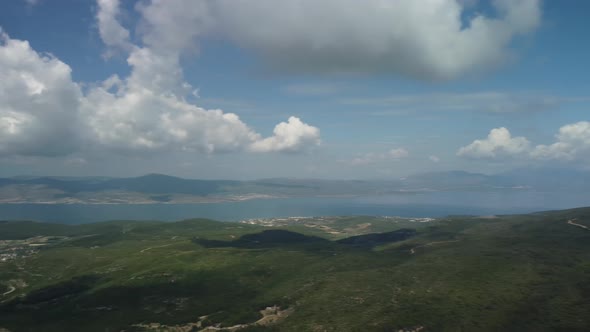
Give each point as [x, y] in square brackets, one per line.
[236, 89]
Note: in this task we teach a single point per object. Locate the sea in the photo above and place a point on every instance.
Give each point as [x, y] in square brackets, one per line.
[426, 204]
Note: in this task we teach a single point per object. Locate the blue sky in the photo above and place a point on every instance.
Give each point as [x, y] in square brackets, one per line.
[355, 92]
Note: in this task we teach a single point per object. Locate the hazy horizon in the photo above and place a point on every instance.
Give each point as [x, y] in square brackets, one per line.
[368, 178]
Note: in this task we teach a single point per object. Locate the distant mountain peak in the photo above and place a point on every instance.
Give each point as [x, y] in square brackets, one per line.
[157, 175]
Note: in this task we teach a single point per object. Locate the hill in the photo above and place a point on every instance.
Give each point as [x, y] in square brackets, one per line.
[159, 188]
[505, 273]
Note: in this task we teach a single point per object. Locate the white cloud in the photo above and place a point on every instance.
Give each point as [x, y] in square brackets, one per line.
[148, 110]
[43, 112]
[112, 33]
[143, 120]
[572, 143]
[434, 159]
[398, 153]
[499, 143]
[372, 158]
[38, 102]
[424, 39]
[291, 136]
[175, 25]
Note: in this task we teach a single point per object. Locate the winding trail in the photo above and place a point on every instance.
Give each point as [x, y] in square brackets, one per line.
[413, 250]
[12, 289]
[571, 222]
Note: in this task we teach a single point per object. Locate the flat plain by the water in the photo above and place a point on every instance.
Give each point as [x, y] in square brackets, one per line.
[430, 204]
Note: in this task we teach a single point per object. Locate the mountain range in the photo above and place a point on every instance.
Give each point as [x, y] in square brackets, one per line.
[159, 188]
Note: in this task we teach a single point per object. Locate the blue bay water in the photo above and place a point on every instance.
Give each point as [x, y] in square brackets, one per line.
[432, 204]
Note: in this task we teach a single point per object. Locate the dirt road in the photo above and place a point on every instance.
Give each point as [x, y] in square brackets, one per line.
[150, 248]
[571, 222]
[12, 289]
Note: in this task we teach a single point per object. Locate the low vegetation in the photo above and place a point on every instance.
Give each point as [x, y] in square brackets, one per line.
[509, 273]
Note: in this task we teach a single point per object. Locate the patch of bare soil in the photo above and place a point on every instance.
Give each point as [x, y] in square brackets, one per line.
[360, 228]
[412, 329]
[270, 315]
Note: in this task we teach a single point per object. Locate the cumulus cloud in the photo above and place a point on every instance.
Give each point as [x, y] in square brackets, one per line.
[43, 112]
[427, 39]
[112, 33]
[148, 110]
[372, 158]
[434, 159]
[175, 25]
[38, 102]
[572, 143]
[289, 136]
[499, 143]
[141, 120]
[397, 153]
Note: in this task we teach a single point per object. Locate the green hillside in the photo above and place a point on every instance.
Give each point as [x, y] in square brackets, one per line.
[508, 273]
